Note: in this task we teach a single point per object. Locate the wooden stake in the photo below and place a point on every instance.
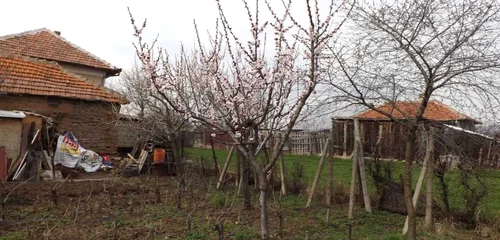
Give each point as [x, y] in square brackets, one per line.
[354, 173]
[226, 166]
[416, 194]
[362, 173]
[430, 183]
[282, 173]
[329, 181]
[318, 173]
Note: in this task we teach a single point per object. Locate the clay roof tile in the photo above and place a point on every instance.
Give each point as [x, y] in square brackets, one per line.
[46, 44]
[24, 75]
[435, 111]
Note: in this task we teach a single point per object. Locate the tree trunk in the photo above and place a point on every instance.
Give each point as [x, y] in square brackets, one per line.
[409, 154]
[444, 192]
[430, 183]
[264, 216]
[245, 173]
[420, 181]
[216, 164]
[238, 169]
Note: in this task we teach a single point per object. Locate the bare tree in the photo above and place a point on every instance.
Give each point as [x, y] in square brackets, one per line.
[235, 87]
[153, 119]
[418, 50]
[137, 90]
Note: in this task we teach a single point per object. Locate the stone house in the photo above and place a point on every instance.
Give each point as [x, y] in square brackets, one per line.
[41, 72]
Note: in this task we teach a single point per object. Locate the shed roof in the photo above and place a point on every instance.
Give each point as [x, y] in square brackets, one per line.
[435, 111]
[11, 114]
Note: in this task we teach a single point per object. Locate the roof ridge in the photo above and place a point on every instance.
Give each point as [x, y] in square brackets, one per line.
[57, 36]
[80, 48]
[33, 31]
[460, 115]
[386, 103]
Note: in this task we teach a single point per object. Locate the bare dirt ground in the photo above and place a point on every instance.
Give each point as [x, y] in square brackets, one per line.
[124, 208]
[104, 206]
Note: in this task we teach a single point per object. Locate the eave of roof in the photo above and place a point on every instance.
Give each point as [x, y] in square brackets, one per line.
[24, 75]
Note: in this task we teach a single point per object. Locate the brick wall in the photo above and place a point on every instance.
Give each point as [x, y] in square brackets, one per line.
[93, 123]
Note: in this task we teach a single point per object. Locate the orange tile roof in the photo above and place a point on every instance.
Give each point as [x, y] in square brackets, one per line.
[23, 75]
[435, 111]
[45, 44]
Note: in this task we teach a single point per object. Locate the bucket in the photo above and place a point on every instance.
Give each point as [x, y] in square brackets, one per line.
[158, 155]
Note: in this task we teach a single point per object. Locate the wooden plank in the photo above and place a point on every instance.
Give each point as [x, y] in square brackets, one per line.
[345, 139]
[24, 139]
[38, 167]
[3, 164]
[48, 160]
[141, 160]
[15, 165]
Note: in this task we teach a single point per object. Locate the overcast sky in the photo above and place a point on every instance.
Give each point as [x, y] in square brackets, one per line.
[103, 27]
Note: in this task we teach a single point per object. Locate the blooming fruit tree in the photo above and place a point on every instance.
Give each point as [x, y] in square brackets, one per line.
[236, 87]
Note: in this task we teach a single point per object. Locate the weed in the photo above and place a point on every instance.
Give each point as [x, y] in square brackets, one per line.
[196, 235]
[17, 235]
[218, 200]
[297, 173]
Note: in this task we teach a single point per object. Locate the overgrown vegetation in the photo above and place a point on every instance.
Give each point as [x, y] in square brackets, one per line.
[489, 206]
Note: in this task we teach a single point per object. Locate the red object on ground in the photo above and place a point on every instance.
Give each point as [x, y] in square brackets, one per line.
[3, 164]
[106, 159]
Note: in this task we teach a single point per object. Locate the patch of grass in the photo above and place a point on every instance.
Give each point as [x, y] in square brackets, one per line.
[393, 237]
[489, 206]
[218, 200]
[196, 235]
[17, 235]
[245, 234]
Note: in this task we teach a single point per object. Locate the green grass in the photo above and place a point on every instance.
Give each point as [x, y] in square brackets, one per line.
[489, 207]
